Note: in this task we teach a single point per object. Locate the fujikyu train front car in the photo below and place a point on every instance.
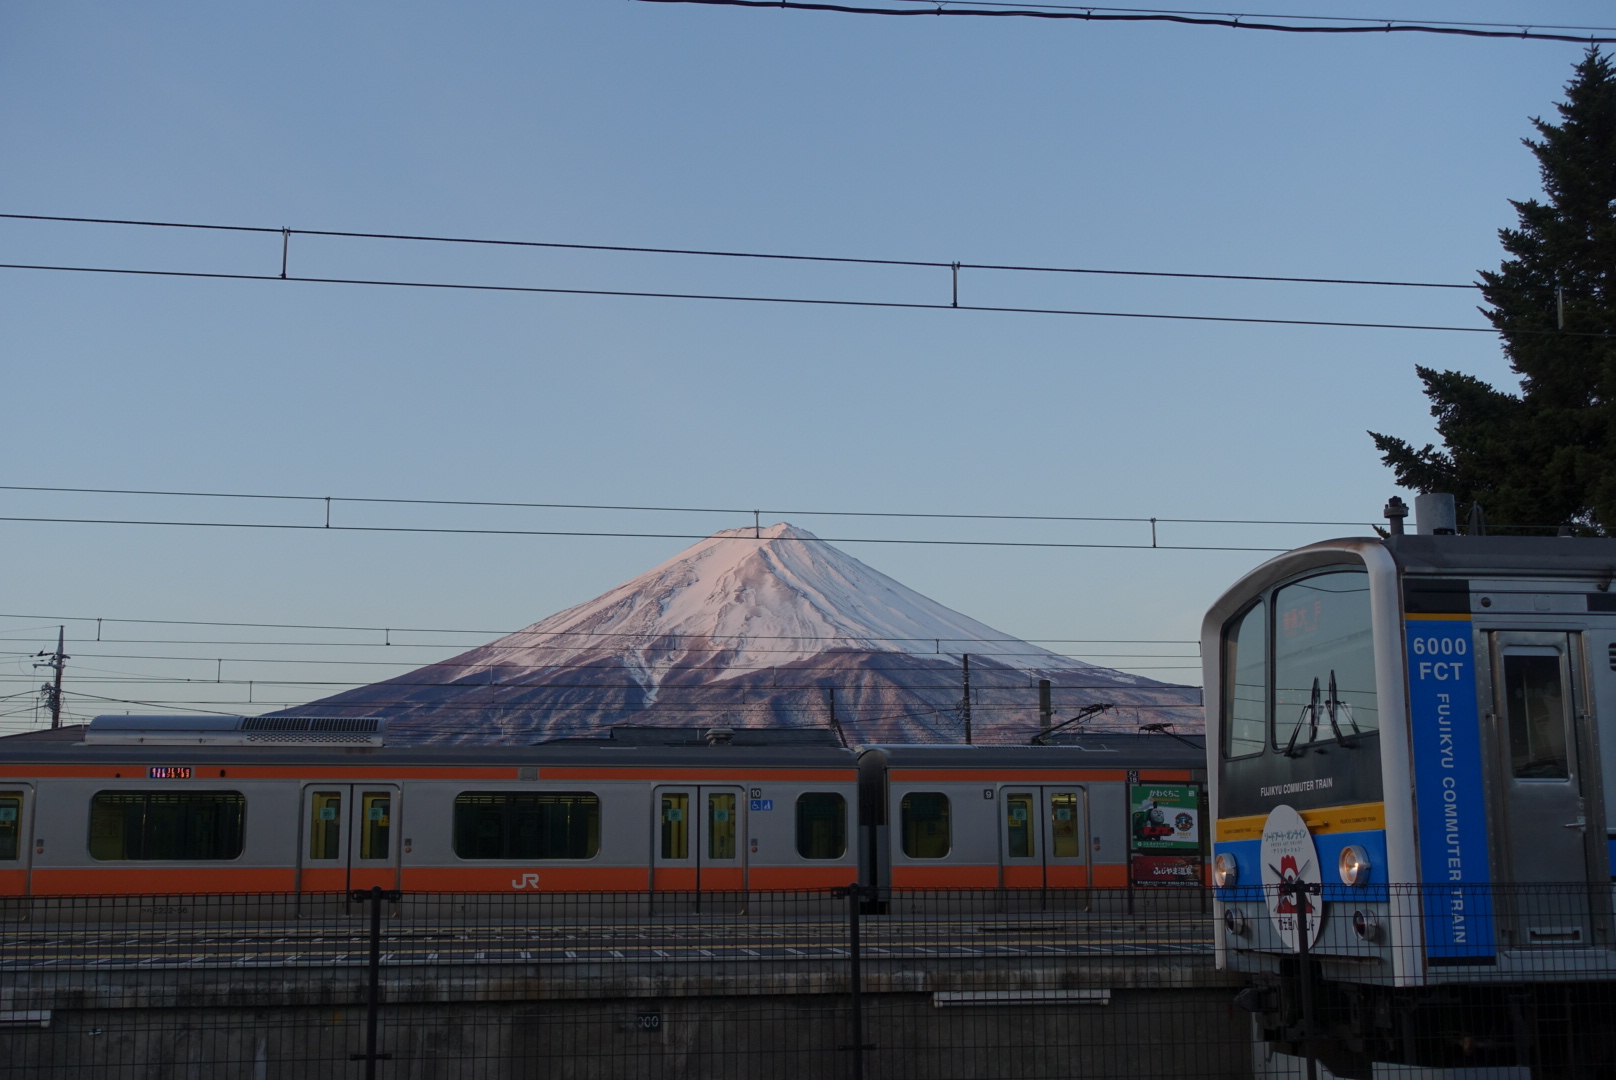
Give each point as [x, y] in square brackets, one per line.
[1411, 744]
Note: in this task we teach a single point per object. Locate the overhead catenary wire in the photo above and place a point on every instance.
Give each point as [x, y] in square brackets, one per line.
[667, 639]
[666, 509]
[325, 523]
[602, 534]
[953, 266]
[895, 305]
[216, 659]
[379, 629]
[708, 708]
[1345, 25]
[348, 234]
[416, 501]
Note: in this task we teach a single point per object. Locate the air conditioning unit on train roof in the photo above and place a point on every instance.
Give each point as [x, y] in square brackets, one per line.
[130, 730]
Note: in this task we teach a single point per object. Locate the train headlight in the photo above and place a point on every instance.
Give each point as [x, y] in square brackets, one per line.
[1234, 922]
[1224, 870]
[1365, 925]
[1354, 865]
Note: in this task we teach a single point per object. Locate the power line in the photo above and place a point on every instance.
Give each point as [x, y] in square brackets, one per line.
[350, 687]
[443, 530]
[768, 511]
[1124, 15]
[329, 500]
[573, 633]
[708, 708]
[1375, 23]
[895, 305]
[621, 635]
[663, 509]
[491, 651]
[417, 663]
[723, 254]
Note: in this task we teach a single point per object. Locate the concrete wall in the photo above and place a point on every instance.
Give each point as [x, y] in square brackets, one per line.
[1140, 1034]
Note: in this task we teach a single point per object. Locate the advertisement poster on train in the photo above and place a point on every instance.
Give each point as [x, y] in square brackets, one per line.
[1166, 818]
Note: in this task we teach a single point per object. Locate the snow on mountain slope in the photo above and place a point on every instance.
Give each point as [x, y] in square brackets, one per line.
[754, 628]
[738, 601]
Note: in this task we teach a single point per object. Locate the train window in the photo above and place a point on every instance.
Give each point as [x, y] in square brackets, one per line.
[167, 826]
[821, 825]
[1537, 724]
[325, 824]
[526, 825]
[10, 823]
[1064, 842]
[1324, 660]
[377, 807]
[1245, 683]
[676, 825]
[924, 824]
[1020, 822]
[720, 825]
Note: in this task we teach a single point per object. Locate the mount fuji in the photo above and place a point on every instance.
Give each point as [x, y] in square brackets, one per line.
[756, 628]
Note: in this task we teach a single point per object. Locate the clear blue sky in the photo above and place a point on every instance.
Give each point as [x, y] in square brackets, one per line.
[1003, 141]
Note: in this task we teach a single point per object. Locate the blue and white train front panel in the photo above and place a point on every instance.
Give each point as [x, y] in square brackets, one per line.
[1450, 812]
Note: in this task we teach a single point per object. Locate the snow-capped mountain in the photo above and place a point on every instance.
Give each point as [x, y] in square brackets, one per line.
[754, 628]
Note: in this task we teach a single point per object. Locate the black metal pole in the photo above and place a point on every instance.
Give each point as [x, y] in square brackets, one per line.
[1300, 890]
[375, 894]
[854, 898]
[373, 987]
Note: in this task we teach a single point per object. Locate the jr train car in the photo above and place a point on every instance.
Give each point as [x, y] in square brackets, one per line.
[1422, 730]
[164, 805]
[1023, 817]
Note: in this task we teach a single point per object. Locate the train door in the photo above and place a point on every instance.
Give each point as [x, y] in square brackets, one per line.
[349, 840]
[1042, 834]
[1600, 656]
[16, 806]
[1545, 774]
[698, 842]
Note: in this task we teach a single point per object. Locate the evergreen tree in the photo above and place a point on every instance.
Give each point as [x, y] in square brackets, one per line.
[1547, 455]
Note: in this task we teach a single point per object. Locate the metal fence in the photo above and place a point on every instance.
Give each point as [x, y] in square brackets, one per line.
[835, 984]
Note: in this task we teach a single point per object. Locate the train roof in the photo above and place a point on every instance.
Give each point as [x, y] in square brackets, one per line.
[1123, 751]
[171, 740]
[22, 750]
[1573, 560]
[1503, 555]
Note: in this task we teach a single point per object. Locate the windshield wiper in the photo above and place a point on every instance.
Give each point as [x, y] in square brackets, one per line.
[1310, 712]
[1335, 703]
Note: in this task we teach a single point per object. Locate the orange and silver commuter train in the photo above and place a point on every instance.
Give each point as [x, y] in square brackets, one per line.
[166, 805]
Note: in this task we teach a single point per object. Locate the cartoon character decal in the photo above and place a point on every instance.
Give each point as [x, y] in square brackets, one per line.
[1289, 859]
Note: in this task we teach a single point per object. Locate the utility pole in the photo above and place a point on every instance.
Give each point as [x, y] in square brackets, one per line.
[1046, 710]
[53, 690]
[965, 702]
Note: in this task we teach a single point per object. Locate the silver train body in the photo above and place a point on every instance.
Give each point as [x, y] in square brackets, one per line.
[1415, 737]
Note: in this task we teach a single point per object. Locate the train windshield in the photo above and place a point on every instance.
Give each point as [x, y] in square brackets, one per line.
[1324, 661]
[1245, 684]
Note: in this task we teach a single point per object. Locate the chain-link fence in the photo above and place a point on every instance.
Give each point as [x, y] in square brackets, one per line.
[837, 984]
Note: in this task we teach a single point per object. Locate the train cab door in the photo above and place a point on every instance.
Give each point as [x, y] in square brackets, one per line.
[16, 809]
[1041, 837]
[1599, 650]
[349, 837]
[698, 839]
[1546, 773]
